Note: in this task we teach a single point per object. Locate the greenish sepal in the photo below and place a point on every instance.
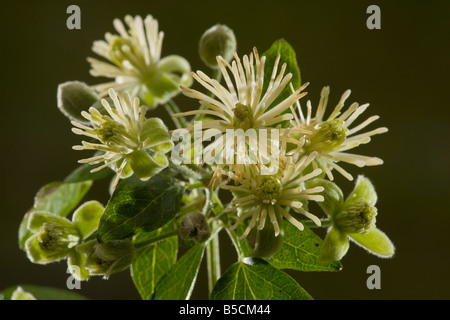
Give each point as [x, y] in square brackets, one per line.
[146, 166]
[38, 219]
[126, 172]
[334, 247]
[73, 97]
[267, 244]
[219, 40]
[37, 254]
[333, 196]
[163, 83]
[177, 69]
[155, 131]
[20, 294]
[87, 217]
[363, 189]
[375, 242]
[76, 264]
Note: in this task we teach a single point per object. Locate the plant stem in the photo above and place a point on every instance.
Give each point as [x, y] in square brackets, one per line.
[236, 244]
[172, 108]
[147, 242]
[310, 224]
[213, 259]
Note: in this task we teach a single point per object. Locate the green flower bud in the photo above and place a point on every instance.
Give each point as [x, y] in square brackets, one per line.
[73, 97]
[107, 258]
[194, 225]
[356, 217]
[218, 40]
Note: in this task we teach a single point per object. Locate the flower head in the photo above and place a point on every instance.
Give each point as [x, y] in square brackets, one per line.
[242, 106]
[264, 197]
[353, 219]
[107, 258]
[129, 142]
[135, 62]
[55, 238]
[332, 137]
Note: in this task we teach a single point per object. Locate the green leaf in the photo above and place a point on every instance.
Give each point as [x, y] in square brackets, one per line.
[57, 198]
[153, 261]
[376, 242]
[44, 293]
[138, 206]
[333, 196]
[257, 280]
[287, 55]
[179, 281]
[83, 173]
[300, 251]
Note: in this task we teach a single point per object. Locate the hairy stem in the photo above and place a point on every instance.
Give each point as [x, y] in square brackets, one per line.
[213, 259]
[310, 224]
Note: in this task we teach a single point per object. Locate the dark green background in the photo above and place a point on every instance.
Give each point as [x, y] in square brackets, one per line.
[402, 70]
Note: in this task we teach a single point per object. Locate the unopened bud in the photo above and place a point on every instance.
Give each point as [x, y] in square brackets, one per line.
[107, 258]
[194, 225]
[219, 40]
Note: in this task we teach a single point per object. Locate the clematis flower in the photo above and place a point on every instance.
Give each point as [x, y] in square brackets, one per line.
[135, 62]
[55, 238]
[264, 198]
[242, 105]
[129, 142]
[332, 137]
[107, 258]
[353, 219]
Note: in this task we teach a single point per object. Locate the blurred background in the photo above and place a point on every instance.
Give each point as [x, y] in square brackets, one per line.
[402, 70]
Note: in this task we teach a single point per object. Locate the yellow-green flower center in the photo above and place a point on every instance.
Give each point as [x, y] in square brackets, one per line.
[329, 136]
[243, 117]
[358, 217]
[54, 237]
[108, 130]
[269, 190]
